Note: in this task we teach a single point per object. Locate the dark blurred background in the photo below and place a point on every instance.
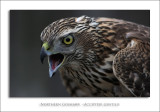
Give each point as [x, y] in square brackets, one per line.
[30, 78]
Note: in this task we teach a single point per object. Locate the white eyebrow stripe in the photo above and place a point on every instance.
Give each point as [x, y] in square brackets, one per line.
[68, 31]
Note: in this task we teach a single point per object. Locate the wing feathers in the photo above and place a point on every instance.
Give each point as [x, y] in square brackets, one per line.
[132, 67]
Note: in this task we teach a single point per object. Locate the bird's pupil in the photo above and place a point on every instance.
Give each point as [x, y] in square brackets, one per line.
[67, 39]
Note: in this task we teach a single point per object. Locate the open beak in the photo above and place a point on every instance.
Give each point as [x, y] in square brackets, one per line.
[54, 60]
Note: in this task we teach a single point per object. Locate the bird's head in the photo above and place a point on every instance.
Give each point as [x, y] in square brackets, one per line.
[66, 41]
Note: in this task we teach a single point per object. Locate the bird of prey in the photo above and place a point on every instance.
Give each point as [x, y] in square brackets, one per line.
[99, 57]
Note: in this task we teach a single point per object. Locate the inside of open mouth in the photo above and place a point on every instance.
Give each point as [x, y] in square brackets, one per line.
[55, 60]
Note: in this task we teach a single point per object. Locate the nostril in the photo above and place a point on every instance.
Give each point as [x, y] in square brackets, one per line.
[48, 48]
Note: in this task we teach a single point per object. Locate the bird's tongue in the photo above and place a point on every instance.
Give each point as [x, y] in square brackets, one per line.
[55, 60]
[55, 63]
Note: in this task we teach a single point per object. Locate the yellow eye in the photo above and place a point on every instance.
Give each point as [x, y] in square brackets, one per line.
[68, 40]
